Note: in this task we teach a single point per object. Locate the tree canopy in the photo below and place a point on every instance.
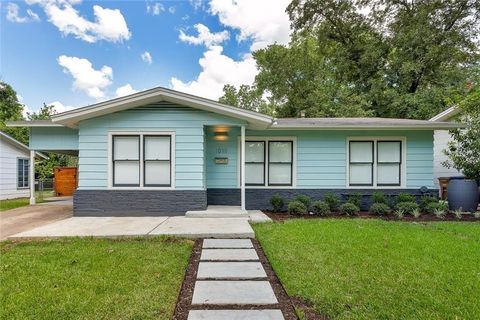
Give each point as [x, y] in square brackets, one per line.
[384, 58]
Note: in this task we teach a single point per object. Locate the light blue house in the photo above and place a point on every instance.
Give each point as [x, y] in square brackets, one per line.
[162, 152]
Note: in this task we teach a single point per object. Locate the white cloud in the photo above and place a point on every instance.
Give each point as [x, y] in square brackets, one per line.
[146, 57]
[13, 14]
[171, 9]
[196, 4]
[109, 24]
[217, 70]
[155, 9]
[125, 90]
[86, 78]
[59, 107]
[204, 36]
[264, 22]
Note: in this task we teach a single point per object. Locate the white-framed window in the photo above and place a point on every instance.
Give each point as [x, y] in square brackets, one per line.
[269, 162]
[22, 172]
[143, 160]
[376, 162]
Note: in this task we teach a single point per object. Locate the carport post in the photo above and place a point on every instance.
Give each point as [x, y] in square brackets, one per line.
[242, 167]
[32, 177]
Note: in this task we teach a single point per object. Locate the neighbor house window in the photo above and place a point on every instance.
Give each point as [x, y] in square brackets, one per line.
[268, 163]
[280, 154]
[375, 163]
[134, 168]
[22, 169]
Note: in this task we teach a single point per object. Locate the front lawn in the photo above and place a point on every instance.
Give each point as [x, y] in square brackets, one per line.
[374, 269]
[92, 278]
[21, 202]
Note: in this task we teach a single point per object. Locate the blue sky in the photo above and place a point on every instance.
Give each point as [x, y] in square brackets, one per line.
[73, 53]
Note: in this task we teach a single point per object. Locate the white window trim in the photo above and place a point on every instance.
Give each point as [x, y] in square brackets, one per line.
[141, 134]
[267, 140]
[403, 178]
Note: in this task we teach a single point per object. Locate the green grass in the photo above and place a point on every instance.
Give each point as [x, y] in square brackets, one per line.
[21, 202]
[92, 278]
[373, 269]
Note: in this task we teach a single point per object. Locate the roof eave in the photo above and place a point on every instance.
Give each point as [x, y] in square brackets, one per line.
[33, 123]
[390, 127]
[447, 114]
[73, 117]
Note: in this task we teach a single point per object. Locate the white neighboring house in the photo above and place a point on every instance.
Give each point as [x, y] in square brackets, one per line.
[441, 139]
[14, 168]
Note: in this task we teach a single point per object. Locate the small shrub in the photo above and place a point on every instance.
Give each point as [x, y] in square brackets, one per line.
[477, 215]
[332, 200]
[399, 213]
[306, 200]
[416, 213]
[277, 202]
[321, 208]
[379, 197]
[379, 209]
[349, 209]
[458, 214]
[355, 198]
[405, 197]
[407, 207]
[425, 201]
[297, 208]
[440, 213]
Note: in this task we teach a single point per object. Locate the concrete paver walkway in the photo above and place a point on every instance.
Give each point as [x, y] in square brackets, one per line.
[236, 264]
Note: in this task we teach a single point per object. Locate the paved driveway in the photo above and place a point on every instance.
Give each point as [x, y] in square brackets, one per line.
[30, 217]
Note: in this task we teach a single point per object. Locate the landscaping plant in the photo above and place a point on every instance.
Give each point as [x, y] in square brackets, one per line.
[425, 201]
[405, 197]
[416, 213]
[297, 208]
[306, 200]
[440, 213]
[379, 209]
[379, 197]
[277, 202]
[458, 214]
[321, 208]
[407, 207]
[349, 209]
[332, 200]
[355, 198]
[477, 215]
[399, 213]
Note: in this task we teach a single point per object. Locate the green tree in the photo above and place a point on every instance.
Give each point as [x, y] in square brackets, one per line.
[246, 97]
[11, 110]
[464, 150]
[384, 58]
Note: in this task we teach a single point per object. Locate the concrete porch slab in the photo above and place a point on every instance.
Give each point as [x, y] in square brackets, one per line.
[228, 254]
[235, 315]
[233, 292]
[227, 243]
[95, 226]
[205, 228]
[230, 270]
[218, 212]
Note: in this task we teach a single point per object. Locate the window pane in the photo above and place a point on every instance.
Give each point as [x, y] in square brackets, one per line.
[254, 173]
[361, 151]
[126, 148]
[127, 172]
[280, 151]
[360, 174]
[388, 151]
[388, 174]
[280, 173]
[254, 151]
[157, 148]
[157, 173]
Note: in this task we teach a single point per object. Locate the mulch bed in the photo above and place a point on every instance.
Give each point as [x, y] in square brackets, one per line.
[285, 303]
[282, 216]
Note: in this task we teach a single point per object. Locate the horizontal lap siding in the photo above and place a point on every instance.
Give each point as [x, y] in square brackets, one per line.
[187, 123]
[53, 138]
[322, 163]
[9, 156]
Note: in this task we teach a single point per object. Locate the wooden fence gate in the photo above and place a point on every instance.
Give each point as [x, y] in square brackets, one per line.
[65, 181]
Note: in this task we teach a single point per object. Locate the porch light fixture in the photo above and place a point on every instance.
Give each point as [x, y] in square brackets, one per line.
[221, 135]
